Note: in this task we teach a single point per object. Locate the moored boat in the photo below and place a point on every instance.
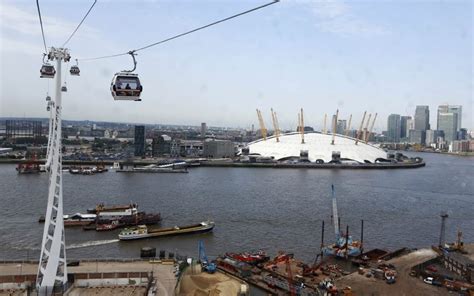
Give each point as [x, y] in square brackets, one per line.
[142, 231]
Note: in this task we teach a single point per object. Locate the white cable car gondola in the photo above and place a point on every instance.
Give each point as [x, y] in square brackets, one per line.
[75, 69]
[64, 88]
[47, 70]
[126, 85]
[48, 98]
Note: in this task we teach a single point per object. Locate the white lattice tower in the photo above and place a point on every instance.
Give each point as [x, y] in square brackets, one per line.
[52, 269]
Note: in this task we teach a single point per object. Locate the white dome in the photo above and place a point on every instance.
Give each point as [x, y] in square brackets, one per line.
[318, 146]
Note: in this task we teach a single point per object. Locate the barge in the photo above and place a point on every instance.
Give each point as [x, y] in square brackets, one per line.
[142, 231]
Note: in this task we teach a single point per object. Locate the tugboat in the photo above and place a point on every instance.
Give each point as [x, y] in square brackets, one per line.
[30, 166]
[142, 231]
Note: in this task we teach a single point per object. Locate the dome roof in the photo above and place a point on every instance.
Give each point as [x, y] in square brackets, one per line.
[318, 146]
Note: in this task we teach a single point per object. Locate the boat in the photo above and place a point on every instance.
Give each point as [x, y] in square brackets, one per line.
[76, 219]
[101, 208]
[250, 258]
[142, 231]
[28, 168]
[344, 246]
[79, 219]
[153, 168]
[138, 219]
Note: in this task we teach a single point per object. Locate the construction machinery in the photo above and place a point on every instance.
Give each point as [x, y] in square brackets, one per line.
[344, 245]
[206, 265]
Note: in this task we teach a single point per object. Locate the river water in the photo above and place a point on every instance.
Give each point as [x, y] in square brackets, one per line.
[269, 209]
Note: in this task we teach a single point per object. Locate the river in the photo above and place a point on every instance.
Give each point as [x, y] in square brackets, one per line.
[269, 209]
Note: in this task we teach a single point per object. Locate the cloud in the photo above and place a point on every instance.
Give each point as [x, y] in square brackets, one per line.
[21, 21]
[337, 17]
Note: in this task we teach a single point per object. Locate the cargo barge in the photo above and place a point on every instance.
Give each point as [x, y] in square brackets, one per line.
[143, 231]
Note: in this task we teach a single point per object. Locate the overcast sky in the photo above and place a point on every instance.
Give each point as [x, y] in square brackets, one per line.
[380, 56]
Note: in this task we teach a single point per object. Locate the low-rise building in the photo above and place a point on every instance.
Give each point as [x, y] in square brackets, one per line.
[218, 148]
[461, 264]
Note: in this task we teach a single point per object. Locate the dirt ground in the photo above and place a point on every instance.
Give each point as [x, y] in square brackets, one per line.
[203, 284]
[406, 285]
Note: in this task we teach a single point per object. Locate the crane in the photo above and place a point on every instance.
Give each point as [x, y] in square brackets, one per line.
[289, 274]
[209, 267]
[276, 126]
[263, 130]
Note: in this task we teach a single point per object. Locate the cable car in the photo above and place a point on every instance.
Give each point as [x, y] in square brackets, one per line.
[48, 98]
[47, 71]
[75, 69]
[64, 88]
[126, 86]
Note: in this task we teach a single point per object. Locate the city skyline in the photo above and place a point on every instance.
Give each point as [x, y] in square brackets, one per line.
[358, 57]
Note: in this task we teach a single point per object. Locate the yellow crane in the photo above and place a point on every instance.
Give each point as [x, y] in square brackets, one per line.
[276, 126]
[348, 128]
[367, 137]
[263, 130]
[360, 128]
[334, 127]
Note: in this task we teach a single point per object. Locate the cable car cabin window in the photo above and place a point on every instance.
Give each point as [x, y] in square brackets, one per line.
[128, 86]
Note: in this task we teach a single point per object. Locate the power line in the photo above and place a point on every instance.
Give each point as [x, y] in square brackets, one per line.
[95, 1]
[185, 33]
[41, 24]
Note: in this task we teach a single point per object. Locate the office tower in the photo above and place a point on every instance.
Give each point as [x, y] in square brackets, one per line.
[393, 128]
[404, 120]
[139, 140]
[204, 129]
[456, 109]
[422, 118]
[448, 124]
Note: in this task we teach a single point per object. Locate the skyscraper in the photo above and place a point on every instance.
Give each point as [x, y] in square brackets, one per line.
[393, 128]
[456, 109]
[341, 127]
[204, 129]
[404, 126]
[422, 118]
[447, 122]
[139, 140]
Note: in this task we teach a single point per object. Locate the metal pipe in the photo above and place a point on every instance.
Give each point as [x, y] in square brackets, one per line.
[334, 126]
[302, 127]
[324, 126]
[347, 238]
[348, 127]
[360, 128]
[322, 240]
[364, 134]
[367, 138]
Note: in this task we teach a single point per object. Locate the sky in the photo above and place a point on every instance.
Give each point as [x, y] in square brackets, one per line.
[380, 56]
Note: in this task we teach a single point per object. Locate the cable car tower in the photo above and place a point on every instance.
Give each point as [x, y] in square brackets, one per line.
[52, 269]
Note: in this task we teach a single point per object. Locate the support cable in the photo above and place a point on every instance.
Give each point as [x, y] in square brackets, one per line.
[41, 24]
[185, 33]
[75, 30]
